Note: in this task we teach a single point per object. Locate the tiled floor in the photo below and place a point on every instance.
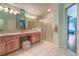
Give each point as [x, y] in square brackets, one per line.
[41, 49]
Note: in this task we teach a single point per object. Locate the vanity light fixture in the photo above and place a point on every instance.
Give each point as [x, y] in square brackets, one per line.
[11, 11]
[1, 8]
[30, 16]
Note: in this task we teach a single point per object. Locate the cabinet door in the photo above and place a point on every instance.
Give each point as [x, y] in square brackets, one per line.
[2, 48]
[13, 44]
[35, 38]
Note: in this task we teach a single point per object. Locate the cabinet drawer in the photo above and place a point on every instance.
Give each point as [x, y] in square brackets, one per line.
[2, 39]
[6, 38]
[15, 37]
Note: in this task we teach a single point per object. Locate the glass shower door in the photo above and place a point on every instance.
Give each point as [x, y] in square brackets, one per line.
[72, 27]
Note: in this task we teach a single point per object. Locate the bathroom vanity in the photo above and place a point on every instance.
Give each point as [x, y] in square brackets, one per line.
[10, 42]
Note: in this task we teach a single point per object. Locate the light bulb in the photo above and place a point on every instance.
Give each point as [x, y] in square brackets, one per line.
[15, 12]
[11, 11]
[6, 9]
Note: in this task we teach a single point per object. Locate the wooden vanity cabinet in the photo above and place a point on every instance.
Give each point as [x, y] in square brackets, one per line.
[9, 44]
[35, 37]
[2, 47]
[13, 44]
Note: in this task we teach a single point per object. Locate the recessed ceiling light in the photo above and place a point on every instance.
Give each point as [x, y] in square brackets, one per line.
[49, 10]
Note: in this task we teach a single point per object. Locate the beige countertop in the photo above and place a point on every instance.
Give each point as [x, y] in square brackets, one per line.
[17, 33]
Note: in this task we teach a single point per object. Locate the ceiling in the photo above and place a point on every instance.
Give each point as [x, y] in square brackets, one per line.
[37, 9]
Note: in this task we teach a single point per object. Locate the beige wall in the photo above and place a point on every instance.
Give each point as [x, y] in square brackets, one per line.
[62, 27]
[47, 25]
[55, 22]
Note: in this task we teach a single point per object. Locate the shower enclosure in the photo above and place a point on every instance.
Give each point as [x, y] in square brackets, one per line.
[71, 13]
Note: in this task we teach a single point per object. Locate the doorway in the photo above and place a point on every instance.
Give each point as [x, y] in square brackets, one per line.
[71, 13]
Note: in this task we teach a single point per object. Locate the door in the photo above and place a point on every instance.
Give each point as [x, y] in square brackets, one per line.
[71, 12]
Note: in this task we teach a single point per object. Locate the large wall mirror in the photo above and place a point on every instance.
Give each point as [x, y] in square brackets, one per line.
[2, 24]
